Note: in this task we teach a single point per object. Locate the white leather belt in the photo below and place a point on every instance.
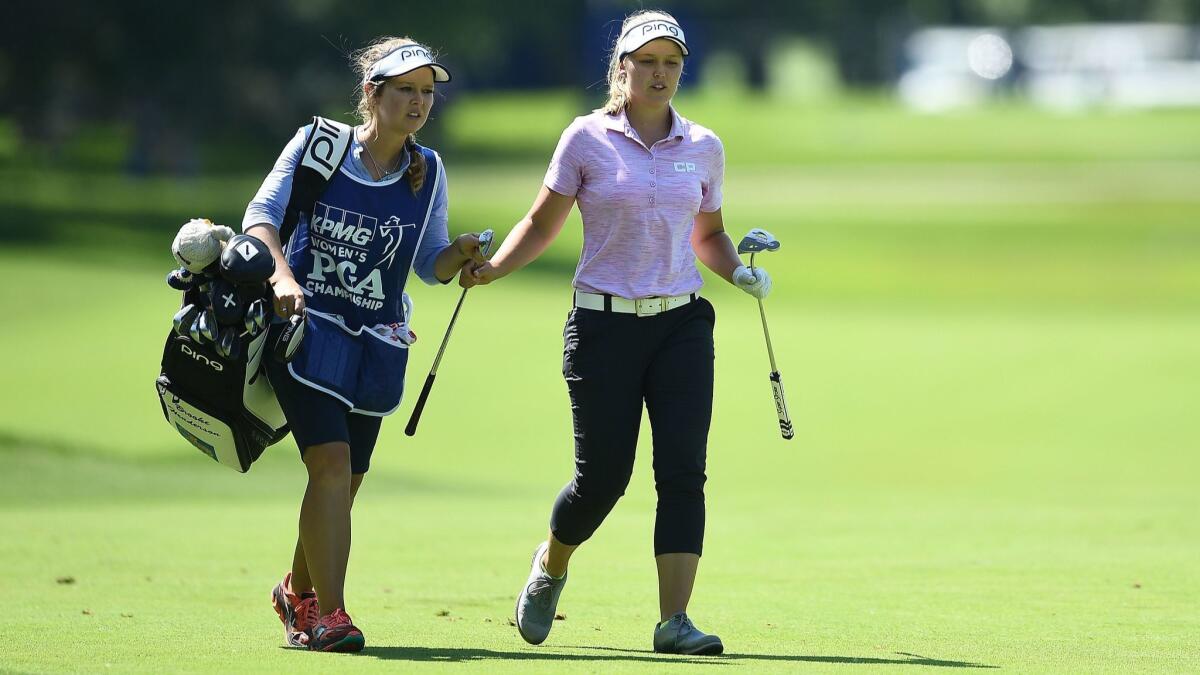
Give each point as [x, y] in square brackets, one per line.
[641, 307]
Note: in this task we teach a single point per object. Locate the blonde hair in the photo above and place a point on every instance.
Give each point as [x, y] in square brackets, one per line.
[618, 83]
[367, 102]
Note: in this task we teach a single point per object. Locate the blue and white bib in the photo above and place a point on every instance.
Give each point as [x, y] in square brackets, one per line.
[352, 258]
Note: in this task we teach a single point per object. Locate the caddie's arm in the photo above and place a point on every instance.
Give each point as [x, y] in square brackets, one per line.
[527, 240]
[713, 246]
[289, 298]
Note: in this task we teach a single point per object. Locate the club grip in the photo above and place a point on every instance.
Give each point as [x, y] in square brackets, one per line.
[785, 421]
[411, 429]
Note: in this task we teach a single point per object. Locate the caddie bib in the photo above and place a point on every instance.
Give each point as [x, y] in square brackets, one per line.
[352, 258]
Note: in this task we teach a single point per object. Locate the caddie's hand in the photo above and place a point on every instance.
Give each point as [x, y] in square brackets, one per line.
[466, 278]
[467, 246]
[479, 275]
[289, 299]
[756, 282]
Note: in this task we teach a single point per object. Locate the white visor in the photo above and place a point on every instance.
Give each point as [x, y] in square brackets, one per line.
[637, 35]
[406, 59]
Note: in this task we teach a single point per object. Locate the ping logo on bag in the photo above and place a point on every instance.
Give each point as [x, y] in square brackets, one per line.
[325, 148]
[197, 356]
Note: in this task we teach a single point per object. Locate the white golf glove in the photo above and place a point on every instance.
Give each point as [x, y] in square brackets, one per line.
[756, 282]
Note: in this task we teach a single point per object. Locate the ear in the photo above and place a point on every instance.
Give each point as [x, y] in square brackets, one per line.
[369, 88]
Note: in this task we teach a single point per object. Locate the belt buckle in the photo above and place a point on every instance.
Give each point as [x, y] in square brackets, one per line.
[652, 306]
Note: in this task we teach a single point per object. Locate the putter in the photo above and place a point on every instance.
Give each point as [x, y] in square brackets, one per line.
[485, 245]
[757, 241]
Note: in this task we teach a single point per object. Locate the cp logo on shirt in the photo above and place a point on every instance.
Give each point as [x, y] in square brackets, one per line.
[685, 167]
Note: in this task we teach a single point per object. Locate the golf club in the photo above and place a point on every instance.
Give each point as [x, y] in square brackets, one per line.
[184, 318]
[485, 244]
[757, 241]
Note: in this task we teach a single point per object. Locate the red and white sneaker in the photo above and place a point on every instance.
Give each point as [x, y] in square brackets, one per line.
[299, 614]
[335, 633]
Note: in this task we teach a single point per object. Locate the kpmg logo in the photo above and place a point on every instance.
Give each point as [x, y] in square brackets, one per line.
[345, 227]
[685, 167]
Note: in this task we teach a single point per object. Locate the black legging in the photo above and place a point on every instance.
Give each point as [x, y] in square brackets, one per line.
[612, 362]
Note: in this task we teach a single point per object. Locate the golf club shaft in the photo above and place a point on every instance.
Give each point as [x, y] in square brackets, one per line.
[415, 418]
[437, 360]
[767, 334]
[762, 313]
[781, 411]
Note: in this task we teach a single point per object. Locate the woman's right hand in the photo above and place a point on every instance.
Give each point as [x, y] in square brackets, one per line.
[478, 275]
[289, 298]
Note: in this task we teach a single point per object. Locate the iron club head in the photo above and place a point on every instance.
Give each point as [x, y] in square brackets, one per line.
[757, 241]
[485, 241]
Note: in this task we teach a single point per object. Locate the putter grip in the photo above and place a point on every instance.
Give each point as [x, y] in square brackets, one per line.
[785, 422]
[411, 429]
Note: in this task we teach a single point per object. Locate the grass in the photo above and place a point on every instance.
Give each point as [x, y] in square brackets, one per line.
[992, 367]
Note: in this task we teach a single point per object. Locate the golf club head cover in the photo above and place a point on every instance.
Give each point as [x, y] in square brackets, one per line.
[198, 244]
[247, 260]
[286, 338]
[226, 302]
[182, 280]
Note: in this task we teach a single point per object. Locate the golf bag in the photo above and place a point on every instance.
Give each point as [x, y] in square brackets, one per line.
[215, 393]
[224, 406]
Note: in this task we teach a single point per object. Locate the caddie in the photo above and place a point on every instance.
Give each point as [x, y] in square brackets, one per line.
[380, 213]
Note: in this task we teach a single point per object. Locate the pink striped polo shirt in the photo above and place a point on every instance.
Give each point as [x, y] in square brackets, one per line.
[637, 202]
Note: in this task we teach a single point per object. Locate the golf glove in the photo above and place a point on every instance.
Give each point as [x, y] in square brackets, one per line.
[756, 282]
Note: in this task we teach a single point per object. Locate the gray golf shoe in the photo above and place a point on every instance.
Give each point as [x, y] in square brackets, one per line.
[538, 601]
[678, 635]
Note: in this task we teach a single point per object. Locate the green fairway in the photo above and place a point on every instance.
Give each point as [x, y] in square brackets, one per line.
[991, 353]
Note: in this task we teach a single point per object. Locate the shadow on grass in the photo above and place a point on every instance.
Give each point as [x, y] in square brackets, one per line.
[459, 655]
[910, 660]
[456, 655]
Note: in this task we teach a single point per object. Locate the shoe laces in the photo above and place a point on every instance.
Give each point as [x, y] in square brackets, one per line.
[308, 613]
[337, 617]
[685, 623]
[542, 589]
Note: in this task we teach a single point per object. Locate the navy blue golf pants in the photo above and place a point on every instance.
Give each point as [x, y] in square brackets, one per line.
[613, 363]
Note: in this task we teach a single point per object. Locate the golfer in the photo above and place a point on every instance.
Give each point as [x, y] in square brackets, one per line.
[648, 185]
[382, 214]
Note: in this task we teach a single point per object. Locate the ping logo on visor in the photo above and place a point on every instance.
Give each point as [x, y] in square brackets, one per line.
[637, 35]
[406, 59]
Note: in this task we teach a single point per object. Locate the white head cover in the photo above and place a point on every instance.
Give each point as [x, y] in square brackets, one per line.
[638, 34]
[406, 59]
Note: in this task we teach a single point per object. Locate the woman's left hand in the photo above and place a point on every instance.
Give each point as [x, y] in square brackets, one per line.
[468, 247]
[756, 282]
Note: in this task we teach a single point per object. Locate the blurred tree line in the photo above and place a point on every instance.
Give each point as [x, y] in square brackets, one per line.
[168, 73]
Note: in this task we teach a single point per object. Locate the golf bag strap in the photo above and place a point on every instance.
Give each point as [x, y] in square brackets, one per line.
[326, 149]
